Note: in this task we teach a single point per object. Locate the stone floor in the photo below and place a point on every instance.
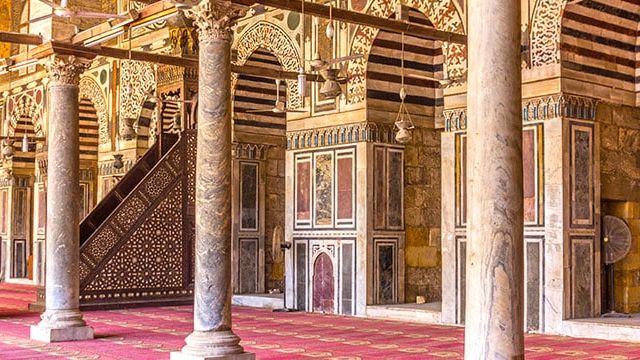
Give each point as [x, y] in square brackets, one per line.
[151, 333]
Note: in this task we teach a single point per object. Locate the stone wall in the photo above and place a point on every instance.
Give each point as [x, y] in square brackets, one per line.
[422, 216]
[620, 178]
[274, 216]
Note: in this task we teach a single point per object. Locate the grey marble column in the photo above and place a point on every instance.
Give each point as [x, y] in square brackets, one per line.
[494, 297]
[62, 320]
[212, 337]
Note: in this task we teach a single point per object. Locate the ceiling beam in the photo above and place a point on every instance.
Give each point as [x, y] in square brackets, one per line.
[63, 48]
[354, 17]
[19, 38]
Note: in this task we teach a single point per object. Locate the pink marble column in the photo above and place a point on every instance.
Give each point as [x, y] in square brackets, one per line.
[62, 319]
[494, 296]
[212, 337]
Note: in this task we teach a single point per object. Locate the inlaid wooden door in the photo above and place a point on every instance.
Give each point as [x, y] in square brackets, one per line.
[323, 284]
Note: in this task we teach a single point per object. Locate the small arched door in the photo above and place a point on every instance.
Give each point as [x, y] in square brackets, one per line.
[323, 284]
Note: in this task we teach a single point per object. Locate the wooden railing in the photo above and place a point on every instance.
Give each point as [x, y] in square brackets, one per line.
[138, 247]
[124, 187]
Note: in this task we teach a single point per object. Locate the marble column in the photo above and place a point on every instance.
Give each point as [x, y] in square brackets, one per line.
[62, 320]
[212, 337]
[494, 297]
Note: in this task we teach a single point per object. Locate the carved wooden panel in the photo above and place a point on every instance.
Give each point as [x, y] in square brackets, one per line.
[323, 284]
[142, 250]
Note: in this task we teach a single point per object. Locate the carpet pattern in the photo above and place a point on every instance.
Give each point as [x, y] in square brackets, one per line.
[151, 333]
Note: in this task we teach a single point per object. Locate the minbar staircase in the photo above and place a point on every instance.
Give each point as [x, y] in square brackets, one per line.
[136, 244]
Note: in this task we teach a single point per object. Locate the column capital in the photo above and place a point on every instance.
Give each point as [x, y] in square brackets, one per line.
[214, 19]
[66, 70]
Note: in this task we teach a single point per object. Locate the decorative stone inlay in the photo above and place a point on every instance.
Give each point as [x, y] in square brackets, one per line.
[343, 134]
[249, 151]
[90, 89]
[545, 32]
[214, 19]
[66, 70]
[443, 14]
[26, 104]
[536, 109]
[141, 76]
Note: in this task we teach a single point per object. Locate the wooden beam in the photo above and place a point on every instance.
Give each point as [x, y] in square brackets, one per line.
[18, 38]
[62, 48]
[354, 17]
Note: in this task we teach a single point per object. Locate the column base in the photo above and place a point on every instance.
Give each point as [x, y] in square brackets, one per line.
[49, 335]
[61, 325]
[179, 355]
[212, 345]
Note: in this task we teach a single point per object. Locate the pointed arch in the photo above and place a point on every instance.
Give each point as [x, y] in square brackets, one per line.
[89, 89]
[443, 14]
[545, 32]
[277, 41]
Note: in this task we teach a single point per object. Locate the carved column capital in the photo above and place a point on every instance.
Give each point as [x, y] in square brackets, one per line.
[66, 70]
[214, 19]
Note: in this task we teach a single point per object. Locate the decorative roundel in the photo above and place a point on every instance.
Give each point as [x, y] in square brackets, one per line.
[293, 20]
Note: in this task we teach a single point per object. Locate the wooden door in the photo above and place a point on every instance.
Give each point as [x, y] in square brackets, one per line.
[323, 284]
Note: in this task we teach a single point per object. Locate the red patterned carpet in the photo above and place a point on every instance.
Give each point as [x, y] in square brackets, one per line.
[151, 333]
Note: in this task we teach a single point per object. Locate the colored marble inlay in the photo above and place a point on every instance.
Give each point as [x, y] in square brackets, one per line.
[303, 187]
[529, 171]
[345, 188]
[249, 196]
[324, 190]
[323, 285]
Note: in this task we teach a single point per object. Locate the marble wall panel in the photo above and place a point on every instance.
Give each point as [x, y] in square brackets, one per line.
[248, 196]
[323, 284]
[301, 275]
[20, 212]
[4, 203]
[345, 193]
[461, 180]
[346, 279]
[323, 181]
[19, 265]
[379, 188]
[461, 277]
[42, 211]
[395, 189]
[248, 266]
[533, 281]
[529, 170]
[582, 267]
[303, 191]
[386, 274]
[582, 182]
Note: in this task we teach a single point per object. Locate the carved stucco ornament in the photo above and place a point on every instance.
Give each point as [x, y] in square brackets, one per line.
[66, 70]
[214, 19]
